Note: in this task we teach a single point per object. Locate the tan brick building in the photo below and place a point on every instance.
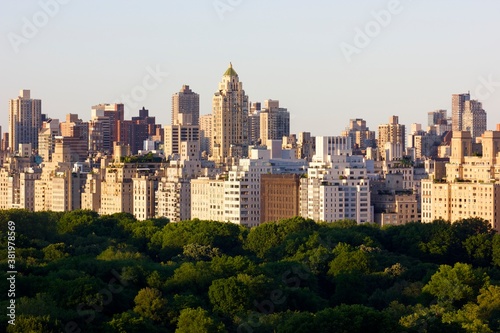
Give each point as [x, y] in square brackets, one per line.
[471, 187]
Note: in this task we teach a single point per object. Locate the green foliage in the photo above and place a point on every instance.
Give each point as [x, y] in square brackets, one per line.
[423, 319]
[116, 274]
[149, 303]
[77, 221]
[174, 236]
[349, 261]
[54, 251]
[25, 324]
[230, 296]
[496, 250]
[479, 249]
[350, 319]
[120, 252]
[130, 322]
[198, 252]
[456, 285]
[198, 320]
[264, 239]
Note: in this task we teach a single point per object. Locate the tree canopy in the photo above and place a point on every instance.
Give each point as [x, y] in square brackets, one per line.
[81, 272]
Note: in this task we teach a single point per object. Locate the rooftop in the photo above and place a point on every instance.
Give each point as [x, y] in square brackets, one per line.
[230, 71]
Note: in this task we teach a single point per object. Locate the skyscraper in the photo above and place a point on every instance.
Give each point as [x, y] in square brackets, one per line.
[457, 110]
[185, 122]
[474, 118]
[103, 126]
[25, 120]
[206, 134]
[437, 117]
[254, 124]
[186, 102]
[393, 133]
[274, 121]
[230, 119]
[468, 115]
[360, 134]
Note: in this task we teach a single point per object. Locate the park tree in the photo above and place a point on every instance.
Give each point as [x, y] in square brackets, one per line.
[78, 221]
[479, 249]
[55, 251]
[349, 260]
[149, 303]
[198, 320]
[457, 285]
[495, 244]
[27, 323]
[230, 296]
[131, 322]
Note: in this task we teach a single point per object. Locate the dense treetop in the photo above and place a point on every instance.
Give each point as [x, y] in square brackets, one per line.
[80, 272]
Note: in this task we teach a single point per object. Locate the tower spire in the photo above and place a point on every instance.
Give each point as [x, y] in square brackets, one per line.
[230, 71]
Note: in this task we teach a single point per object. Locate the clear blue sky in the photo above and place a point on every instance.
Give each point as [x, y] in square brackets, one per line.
[92, 52]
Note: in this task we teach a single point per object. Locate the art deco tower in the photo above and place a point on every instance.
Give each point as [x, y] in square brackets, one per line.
[230, 117]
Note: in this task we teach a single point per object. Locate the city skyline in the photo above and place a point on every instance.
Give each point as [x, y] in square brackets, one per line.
[309, 58]
[250, 165]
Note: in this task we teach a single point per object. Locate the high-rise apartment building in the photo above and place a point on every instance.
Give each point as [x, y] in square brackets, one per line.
[437, 117]
[76, 133]
[100, 135]
[254, 124]
[173, 195]
[17, 183]
[206, 134]
[360, 134]
[279, 196]
[337, 185]
[74, 127]
[207, 199]
[46, 138]
[230, 119]
[25, 120]
[5, 142]
[237, 199]
[468, 115]
[392, 133]
[91, 192]
[103, 127]
[175, 135]
[274, 121]
[457, 110]
[186, 102]
[182, 130]
[135, 131]
[474, 118]
[470, 187]
[59, 186]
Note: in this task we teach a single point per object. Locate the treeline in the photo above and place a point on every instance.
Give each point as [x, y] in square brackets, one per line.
[80, 272]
